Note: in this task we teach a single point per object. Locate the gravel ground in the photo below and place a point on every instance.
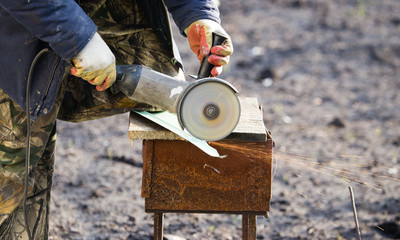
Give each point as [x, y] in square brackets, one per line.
[327, 74]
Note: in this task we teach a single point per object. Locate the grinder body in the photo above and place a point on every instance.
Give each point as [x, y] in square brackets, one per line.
[145, 85]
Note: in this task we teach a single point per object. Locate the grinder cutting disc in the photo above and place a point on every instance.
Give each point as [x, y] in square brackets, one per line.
[209, 109]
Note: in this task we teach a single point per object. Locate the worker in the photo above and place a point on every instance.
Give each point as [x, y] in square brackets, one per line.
[68, 50]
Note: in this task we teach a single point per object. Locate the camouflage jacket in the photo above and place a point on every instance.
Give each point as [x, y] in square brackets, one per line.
[65, 27]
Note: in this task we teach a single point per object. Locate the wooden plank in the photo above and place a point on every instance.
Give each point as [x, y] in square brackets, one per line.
[142, 128]
[250, 126]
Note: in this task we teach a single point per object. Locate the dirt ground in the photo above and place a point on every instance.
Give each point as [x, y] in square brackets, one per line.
[327, 74]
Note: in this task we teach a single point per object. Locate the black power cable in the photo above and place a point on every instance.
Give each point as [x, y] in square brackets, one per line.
[28, 137]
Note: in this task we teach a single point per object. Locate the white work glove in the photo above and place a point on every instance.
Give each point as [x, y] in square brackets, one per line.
[199, 35]
[95, 64]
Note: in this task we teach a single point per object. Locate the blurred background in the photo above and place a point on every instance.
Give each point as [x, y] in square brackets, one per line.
[327, 74]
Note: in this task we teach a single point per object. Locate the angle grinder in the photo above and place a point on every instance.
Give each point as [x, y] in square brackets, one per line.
[208, 107]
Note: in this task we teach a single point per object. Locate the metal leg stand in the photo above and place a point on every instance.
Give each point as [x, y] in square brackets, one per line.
[249, 227]
[158, 225]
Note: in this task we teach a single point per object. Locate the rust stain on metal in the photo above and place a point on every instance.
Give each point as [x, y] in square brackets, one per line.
[148, 147]
[175, 180]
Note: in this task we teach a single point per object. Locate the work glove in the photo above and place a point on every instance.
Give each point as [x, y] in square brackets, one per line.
[95, 64]
[199, 35]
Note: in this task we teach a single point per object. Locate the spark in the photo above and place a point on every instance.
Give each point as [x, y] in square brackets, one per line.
[213, 168]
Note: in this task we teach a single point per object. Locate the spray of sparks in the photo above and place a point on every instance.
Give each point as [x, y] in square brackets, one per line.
[344, 167]
[348, 171]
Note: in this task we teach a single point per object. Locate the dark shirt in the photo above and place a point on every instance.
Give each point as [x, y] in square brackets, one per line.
[28, 26]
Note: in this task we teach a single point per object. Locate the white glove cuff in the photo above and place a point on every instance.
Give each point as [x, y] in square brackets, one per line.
[95, 55]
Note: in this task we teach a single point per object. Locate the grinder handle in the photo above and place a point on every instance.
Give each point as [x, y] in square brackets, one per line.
[206, 67]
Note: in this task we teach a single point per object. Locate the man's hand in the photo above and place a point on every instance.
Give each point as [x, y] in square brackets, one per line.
[95, 64]
[199, 35]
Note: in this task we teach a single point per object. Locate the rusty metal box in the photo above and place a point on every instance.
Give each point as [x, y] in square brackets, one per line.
[178, 177]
